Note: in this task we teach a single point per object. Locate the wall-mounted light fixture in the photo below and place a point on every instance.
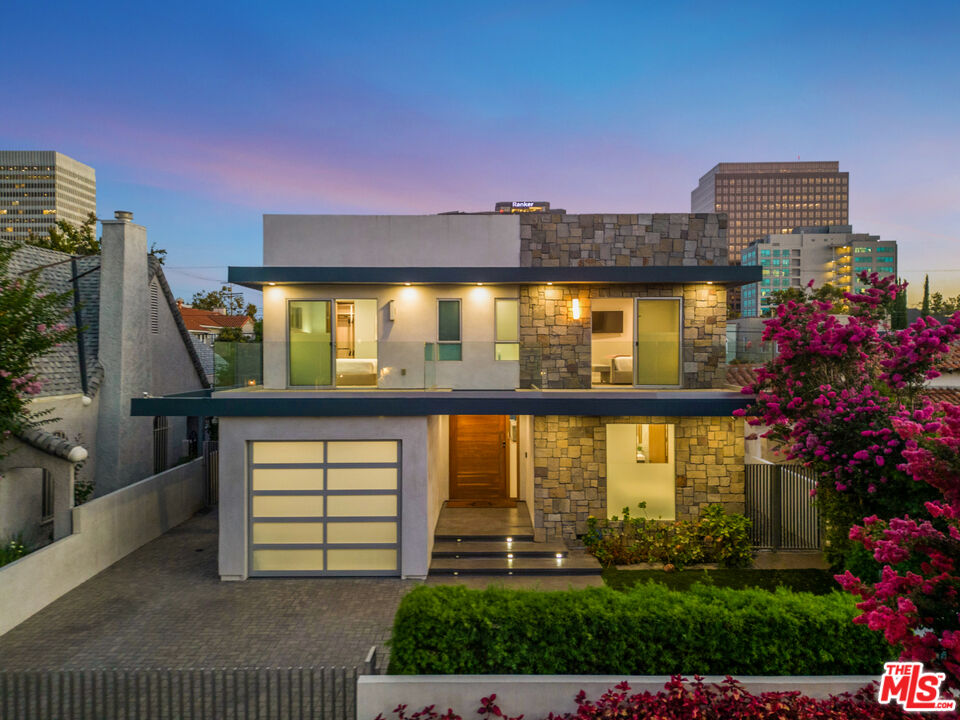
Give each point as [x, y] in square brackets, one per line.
[576, 308]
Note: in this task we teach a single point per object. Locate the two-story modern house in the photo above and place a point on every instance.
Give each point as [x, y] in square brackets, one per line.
[571, 363]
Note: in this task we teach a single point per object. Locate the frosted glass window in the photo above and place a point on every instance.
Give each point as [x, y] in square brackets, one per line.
[361, 479]
[362, 532]
[288, 479]
[310, 343]
[288, 452]
[658, 342]
[508, 320]
[288, 506]
[362, 452]
[362, 505]
[296, 532]
[362, 559]
[292, 560]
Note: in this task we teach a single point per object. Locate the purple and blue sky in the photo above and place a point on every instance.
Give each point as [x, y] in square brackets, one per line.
[199, 116]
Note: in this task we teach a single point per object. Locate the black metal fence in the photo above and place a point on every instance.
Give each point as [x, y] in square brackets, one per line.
[211, 472]
[161, 433]
[182, 694]
[779, 504]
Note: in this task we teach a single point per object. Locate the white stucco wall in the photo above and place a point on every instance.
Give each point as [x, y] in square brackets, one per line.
[526, 479]
[104, 530]
[438, 463]
[401, 341]
[536, 696]
[391, 240]
[235, 433]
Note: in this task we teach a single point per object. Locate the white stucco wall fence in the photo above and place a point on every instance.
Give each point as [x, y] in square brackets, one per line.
[104, 531]
[535, 696]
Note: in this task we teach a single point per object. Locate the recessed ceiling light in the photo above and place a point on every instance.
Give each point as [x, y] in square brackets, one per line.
[408, 284]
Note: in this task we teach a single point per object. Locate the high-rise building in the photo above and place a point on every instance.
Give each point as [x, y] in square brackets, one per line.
[832, 254]
[37, 188]
[763, 198]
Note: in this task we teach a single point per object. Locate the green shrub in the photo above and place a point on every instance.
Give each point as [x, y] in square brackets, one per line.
[646, 630]
[12, 549]
[713, 537]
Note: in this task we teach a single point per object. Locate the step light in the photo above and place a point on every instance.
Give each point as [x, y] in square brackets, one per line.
[509, 556]
[509, 539]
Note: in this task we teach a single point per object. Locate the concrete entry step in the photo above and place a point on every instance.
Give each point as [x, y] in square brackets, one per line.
[501, 549]
[579, 564]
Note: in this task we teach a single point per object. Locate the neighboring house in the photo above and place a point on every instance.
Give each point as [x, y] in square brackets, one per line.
[206, 325]
[574, 362]
[132, 342]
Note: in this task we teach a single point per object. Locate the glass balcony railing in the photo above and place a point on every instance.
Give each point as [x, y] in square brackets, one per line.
[748, 346]
[392, 365]
[237, 364]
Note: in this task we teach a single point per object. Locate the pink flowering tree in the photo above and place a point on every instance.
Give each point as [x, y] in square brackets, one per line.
[829, 397]
[32, 323]
[916, 602]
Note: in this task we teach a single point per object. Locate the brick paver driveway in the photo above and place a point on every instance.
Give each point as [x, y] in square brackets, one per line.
[164, 606]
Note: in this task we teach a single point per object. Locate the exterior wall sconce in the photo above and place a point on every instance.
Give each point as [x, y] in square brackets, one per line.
[576, 308]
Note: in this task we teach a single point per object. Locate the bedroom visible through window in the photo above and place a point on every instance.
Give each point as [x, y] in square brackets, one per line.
[356, 342]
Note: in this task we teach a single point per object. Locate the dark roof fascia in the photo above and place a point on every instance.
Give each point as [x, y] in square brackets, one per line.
[156, 270]
[734, 275]
[330, 404]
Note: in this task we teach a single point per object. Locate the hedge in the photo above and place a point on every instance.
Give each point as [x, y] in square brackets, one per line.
[646, 630]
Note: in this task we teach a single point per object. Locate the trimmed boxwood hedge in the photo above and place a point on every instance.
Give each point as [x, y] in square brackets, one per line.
[646, 630]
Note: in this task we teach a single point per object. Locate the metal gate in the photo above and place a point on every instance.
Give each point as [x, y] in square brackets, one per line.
[781, 508]
[211, 472]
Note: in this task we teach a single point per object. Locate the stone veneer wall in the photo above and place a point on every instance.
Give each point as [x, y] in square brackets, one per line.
[570, 468]
[557, 240]
[555, 348]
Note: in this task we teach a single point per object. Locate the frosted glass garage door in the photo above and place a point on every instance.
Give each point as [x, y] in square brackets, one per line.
[325, 507]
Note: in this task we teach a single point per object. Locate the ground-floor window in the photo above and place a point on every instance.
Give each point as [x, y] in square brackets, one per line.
[325, 507]
[641, 468]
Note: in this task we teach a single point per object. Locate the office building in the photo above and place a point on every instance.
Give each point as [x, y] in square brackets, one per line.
[762, 198]
[831, 254]
[38, 188]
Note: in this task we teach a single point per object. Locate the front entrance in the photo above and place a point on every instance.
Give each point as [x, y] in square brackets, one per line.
[478, 461]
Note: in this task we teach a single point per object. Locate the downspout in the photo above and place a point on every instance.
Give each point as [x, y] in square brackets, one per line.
[81, 348]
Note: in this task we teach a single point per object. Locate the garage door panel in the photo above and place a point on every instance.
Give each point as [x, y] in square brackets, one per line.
[292, 560]
[361, 559]
[280, 532]
[362, 505]
[287, 452]
[362, 479]
[325, 507]
[288, 479]
[361, 532]
[380, 451]
[287, 506]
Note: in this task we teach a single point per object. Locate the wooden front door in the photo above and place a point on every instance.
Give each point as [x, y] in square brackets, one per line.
[478, 460]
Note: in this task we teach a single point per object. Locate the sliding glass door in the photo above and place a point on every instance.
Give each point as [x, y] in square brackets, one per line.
[658, 334]
[310, 343]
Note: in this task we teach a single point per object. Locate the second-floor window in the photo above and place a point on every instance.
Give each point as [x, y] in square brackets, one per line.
[507, 322]
[448, 330]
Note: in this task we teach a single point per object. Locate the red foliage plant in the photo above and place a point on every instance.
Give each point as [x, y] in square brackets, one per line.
[683, 700]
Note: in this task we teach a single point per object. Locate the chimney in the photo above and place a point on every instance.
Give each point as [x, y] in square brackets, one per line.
[125, 345]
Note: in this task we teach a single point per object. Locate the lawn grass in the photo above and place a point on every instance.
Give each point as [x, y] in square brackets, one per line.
[818, 582]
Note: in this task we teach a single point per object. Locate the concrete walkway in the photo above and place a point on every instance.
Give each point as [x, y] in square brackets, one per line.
[164, 606]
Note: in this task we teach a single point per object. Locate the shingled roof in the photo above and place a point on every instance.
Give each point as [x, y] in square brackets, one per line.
[199, 320]
[60, 368]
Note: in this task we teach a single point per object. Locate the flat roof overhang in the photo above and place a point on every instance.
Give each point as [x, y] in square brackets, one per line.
[265, 403]
[257, 277]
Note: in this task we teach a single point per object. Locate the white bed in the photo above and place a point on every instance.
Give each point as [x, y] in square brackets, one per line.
[357, 371]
